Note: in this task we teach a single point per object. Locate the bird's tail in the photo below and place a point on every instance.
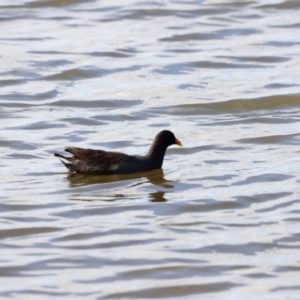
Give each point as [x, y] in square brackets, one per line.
[65, 160]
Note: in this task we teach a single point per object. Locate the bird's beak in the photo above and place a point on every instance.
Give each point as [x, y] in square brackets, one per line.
[177, 142]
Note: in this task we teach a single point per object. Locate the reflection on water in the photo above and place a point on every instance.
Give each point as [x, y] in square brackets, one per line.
[220, 220]
[155, 177]
[111, 188]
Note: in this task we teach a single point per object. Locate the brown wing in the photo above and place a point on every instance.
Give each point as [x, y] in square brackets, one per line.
[98, 158]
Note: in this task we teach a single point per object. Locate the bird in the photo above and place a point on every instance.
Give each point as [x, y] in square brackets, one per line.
[100, 162]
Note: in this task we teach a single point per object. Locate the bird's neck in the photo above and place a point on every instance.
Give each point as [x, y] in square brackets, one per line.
[157, 153]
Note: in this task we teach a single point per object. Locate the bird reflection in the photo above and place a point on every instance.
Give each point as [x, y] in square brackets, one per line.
[155, 177]
[158, 196]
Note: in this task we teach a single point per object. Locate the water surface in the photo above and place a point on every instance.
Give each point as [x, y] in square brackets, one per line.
[220, 221]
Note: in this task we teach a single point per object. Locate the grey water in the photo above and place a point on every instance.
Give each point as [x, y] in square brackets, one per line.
[221, 219]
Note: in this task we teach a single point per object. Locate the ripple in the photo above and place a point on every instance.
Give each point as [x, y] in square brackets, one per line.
[175, 290]
[183, 68]
[235, 105]
[17, 232]
[108, 104]
[288, 4]
[262, 59]
[81, 74]
[279, 86]
[110, 54]
[285, 139]
[8, 82]
[219, 34]
[54, 3]
[263, 178]
[50, 63]
[24, 99]
[36, 126]
[281, 44]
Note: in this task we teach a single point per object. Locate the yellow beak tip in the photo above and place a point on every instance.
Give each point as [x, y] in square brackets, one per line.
[177, 142]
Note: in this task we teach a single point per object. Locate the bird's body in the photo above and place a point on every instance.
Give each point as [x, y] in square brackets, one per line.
[99, 162]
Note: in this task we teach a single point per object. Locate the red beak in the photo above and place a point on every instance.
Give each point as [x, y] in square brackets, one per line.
[177, 142]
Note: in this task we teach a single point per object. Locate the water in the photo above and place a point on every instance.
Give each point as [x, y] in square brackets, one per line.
[221, 220]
